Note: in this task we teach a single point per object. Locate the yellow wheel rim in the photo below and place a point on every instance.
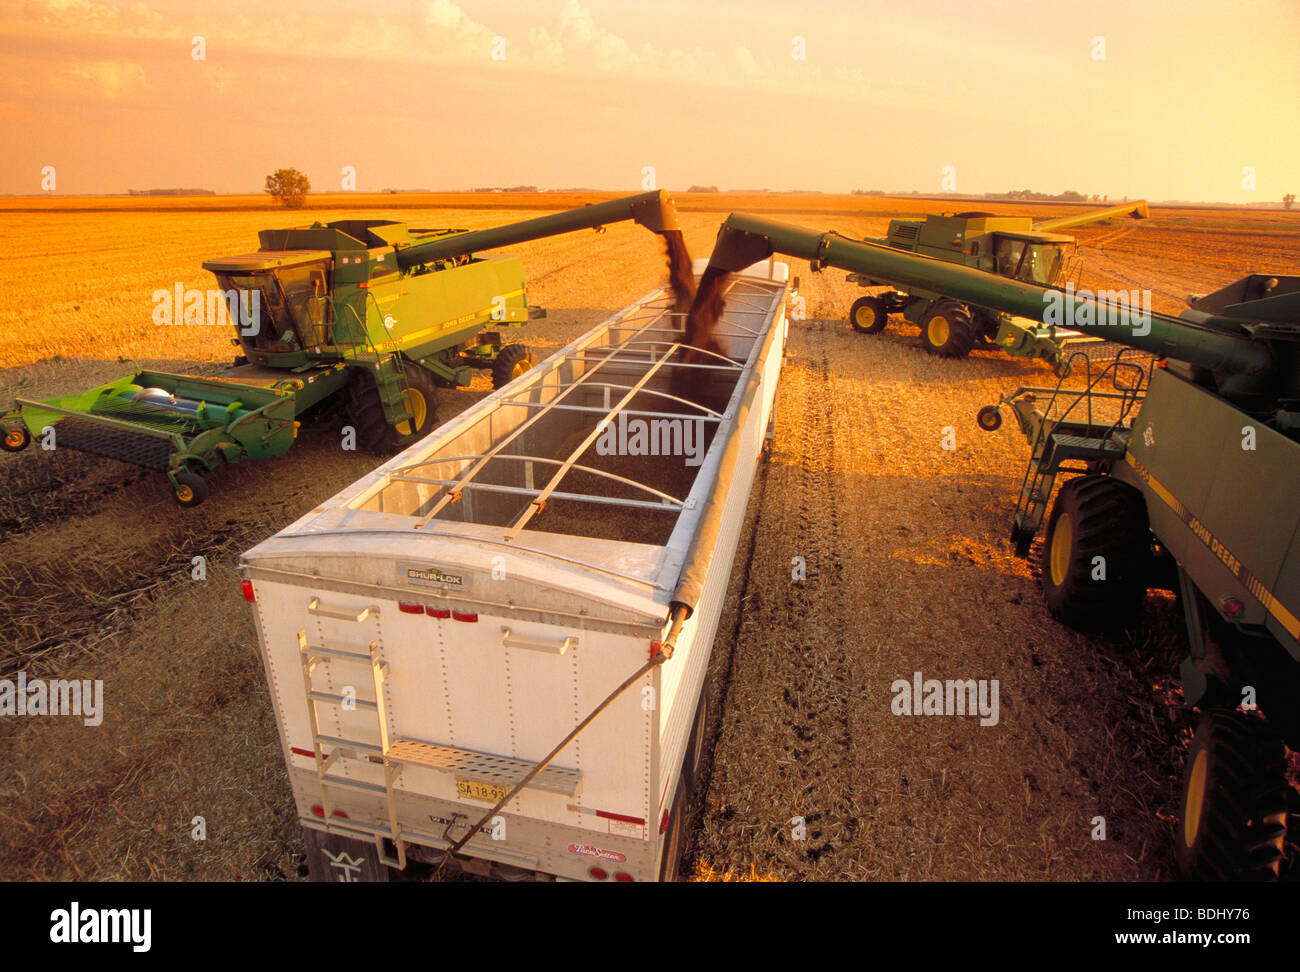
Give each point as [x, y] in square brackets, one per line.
[184, 493]
[419, 410]
[938, 330]
[1195, 800]
[1062, 541]
[14, 438]
[864, 317]
[522, 365]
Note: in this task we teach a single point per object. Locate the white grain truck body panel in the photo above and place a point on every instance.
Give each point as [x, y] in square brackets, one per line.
[434, 630]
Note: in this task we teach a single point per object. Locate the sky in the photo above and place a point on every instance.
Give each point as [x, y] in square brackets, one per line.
[1163, 99]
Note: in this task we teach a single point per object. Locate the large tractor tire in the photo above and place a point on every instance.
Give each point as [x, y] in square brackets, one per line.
[511, 362]
[1096, 557]
[365, 411]
[868, 315]
[1234, 801]
[947, 330]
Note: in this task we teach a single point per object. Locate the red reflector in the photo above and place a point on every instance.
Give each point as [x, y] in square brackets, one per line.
[599, 873]
[621, 816]
[340, 813]
[439, 612]
[302, 752]
[318, 810]
[247, 588]
[464, 615]
[624, 877]
[410, 608]
[663, 824]
[1233, 607]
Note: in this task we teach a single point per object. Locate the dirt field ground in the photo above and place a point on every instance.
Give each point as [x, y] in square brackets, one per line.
[908, 569]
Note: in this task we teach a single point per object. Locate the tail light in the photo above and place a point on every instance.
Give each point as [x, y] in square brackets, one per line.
[410, 608]
[624, 877]
[464, 616]
[249, 594]
[439, 612]
[598, 873]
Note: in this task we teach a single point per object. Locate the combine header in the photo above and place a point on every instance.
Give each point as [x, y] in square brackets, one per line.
[1014, 247]
[360, 317]
[1185, 478]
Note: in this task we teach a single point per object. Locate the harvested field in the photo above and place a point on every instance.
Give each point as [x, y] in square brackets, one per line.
[906, 568]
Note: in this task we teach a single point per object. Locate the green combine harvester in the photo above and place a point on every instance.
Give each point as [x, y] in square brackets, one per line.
[1184, 477]
[366, 318]
[1014, 247]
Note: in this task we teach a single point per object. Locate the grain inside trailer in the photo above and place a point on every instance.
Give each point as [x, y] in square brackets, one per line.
[434, 630]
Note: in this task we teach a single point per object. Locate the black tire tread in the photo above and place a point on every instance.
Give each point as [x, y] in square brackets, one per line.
[1110, 520]
[1244, 815]
[961, 330]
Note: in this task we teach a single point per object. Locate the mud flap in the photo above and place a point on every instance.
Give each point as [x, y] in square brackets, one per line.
[335, 857]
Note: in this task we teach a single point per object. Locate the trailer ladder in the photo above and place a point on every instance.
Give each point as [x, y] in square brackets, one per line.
[311, 656]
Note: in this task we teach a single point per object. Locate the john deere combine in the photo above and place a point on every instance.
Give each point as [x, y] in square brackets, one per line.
[1185, 476]
[1015, 247]
[362, 317]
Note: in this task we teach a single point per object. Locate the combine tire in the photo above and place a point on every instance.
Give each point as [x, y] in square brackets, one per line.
[1234, 801]
[1096, 555]
[191, 489]
[511, 362]
[947, 330]
[365, 412]
[16, 440]
[868, 315]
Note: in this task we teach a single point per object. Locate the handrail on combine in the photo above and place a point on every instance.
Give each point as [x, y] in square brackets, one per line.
[1060, 436]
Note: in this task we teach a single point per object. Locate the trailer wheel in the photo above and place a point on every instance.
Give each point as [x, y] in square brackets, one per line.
[1234, 800]
[947, 330]
[191, 489]
[511, 362]
[989, 418]
[1096, 554]
[671, 858]
[868, 315]
[16, 439]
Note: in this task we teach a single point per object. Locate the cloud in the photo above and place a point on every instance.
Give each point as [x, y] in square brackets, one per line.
[574, 43]
[112, 80]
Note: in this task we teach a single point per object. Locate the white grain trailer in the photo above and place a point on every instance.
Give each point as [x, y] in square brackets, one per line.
[431, 633]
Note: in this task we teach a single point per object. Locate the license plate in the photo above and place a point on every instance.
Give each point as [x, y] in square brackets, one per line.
[478, 790]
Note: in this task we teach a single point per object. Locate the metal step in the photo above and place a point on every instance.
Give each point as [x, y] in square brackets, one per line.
[487, 767]
[361, 785]
[320, 696]
[361, 747]
[1088, 444]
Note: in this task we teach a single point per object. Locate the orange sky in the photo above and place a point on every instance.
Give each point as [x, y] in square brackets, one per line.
[587, 93]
